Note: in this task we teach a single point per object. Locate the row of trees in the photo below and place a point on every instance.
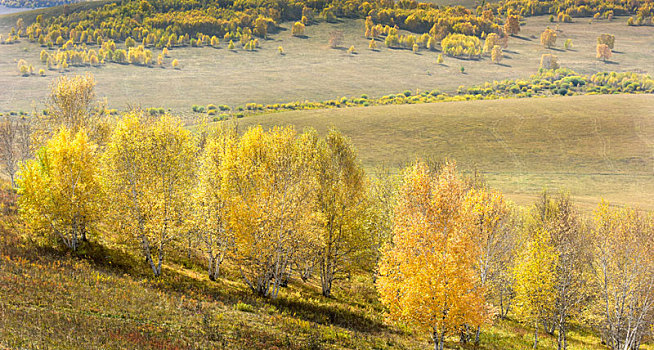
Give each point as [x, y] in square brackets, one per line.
[458, 248]
[451, 253]
[271, 201]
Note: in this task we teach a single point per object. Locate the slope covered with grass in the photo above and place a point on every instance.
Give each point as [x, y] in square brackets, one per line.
[595, 146]
[104, 298]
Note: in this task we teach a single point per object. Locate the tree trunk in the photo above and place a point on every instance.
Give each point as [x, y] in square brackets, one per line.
[536, 337]
[477, 333]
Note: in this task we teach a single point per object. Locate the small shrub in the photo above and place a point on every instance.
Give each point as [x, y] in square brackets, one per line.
[241, 306]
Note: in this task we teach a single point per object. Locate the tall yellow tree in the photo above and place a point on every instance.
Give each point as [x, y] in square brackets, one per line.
[60, 192]
[548, 38]
[72, 103]
[427, 275]
[212, 201]
[147, 172]
[535, 279]
[624, 268]
[341, 206]
[271, 182]
[492, 235]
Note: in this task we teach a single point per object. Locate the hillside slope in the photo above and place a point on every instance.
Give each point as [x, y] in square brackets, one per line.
[594, 146]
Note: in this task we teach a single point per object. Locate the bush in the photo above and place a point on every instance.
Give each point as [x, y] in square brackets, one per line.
[297, 29]
[241, 306]
[460, 45]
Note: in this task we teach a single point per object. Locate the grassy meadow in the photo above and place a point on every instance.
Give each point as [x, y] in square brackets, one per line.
[594, 146]
[105, 298]
[310, 70]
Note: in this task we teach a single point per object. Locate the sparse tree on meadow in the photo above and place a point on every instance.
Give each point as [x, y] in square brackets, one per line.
[603, 52]
[298, 29]
[606, 39]
[548, 38]
[512, 25]
[497, 54]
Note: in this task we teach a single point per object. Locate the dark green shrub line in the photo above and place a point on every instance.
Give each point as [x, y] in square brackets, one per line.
[559, 82]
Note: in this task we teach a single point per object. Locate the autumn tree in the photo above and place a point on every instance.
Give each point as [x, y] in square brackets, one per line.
[606, 39]
[72, 103]
[549, 61]
[491, 41]
[497, 54]
[297, 29]
[624, 270]
[548, 38]
[570, 240]
[212, 202]
[493, 236]
[341, 207]
[427, 277]
[603, 52]
[60, 192]
[15, 142]
[534, 274]
[147, 172]
[512, 25]
[271, 182]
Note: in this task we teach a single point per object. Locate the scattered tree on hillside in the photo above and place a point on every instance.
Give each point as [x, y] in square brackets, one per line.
[512, 25]
[606, 39]
[298, 29]
[549, 61]
[335, 39]
[548, 38]
[603, 52]
[496, 54]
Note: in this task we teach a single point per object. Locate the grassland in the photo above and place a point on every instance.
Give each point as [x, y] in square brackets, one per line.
[103, 299]
[594, 146]
[310, 70]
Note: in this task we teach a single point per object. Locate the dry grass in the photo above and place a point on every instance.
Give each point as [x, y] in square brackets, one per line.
[594, 146]
[311, 70]
[102, 298]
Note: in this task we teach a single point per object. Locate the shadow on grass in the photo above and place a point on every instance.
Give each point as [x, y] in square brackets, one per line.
[328, 314]
[520, 37]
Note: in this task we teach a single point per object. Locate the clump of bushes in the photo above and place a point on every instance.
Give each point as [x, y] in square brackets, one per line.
[461, 45]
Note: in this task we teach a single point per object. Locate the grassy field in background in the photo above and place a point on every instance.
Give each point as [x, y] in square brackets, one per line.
[310, 70]
[594, 146]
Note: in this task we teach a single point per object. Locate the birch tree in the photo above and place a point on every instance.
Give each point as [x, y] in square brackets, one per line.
[341, 206]
[427, 277]
[624, 267]
[271, 180]
[59, 190]
[147, 173]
